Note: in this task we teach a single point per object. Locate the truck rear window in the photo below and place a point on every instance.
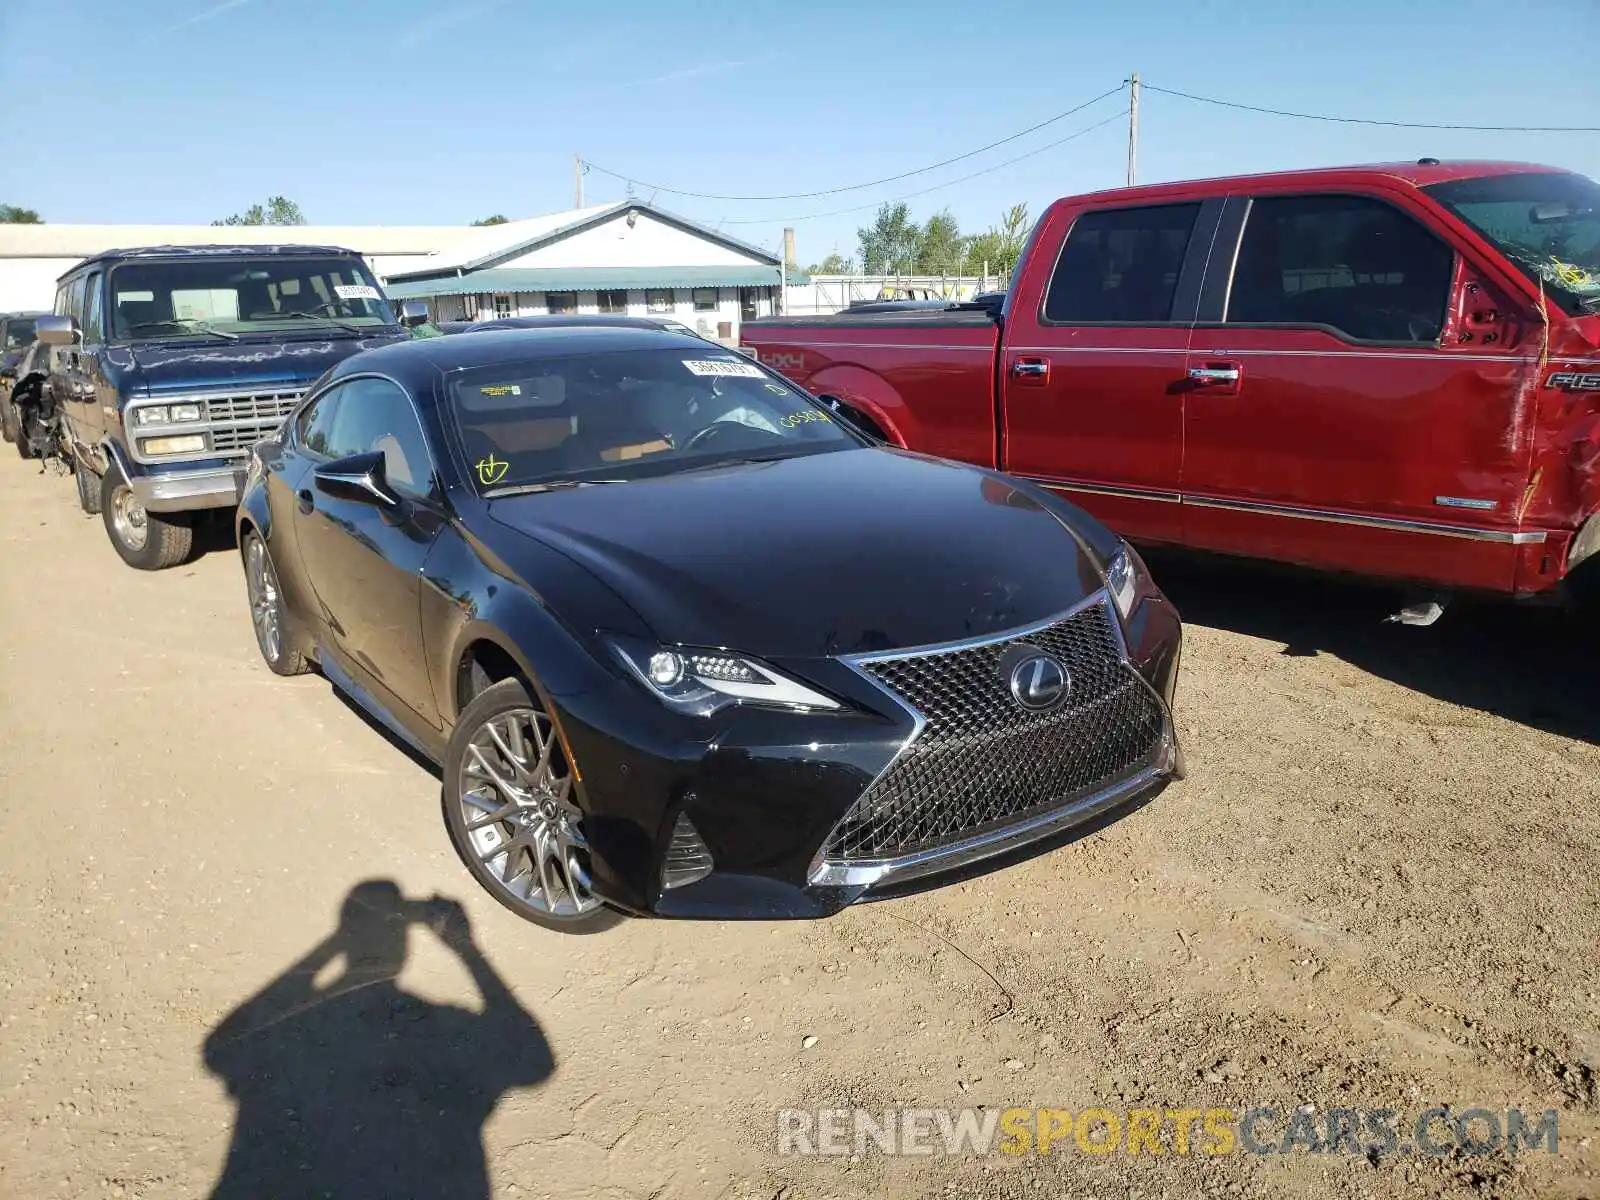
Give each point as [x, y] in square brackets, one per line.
[1120, 266]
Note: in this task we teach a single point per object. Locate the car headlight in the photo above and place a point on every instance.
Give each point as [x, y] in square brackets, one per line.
[185, 412]
[154, 414]
[704, 681]
[1124, 576]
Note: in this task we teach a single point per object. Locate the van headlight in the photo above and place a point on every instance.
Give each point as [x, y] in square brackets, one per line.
[1125, 579]
[168, 414]
[193, 443]
[702, 681]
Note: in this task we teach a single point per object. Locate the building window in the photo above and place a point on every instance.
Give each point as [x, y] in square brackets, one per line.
[561, 302]
[502, 306]
[612, 302]
[658, 300]
[705, 299]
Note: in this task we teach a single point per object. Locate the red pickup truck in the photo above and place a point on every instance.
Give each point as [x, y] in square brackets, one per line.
[1389, 370]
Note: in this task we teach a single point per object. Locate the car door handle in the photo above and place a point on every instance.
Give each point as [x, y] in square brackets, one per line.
[307, 502]
[1030, 368]
[1211, 376]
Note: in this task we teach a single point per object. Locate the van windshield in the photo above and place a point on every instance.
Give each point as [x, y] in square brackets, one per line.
[1547, 223]
[184, 297]
[19, 332]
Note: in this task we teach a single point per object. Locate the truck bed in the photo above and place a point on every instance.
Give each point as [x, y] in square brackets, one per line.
[923, 377]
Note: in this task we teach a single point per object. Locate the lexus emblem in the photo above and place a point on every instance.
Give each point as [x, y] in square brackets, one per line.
[1037, 680]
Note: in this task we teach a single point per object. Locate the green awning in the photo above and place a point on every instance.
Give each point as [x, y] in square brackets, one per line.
[585, 279]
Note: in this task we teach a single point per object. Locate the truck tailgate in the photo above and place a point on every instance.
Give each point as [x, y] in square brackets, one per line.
[926, 378]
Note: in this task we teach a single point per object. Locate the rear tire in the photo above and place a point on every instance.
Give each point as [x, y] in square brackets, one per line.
[146, 541]
[268, 613]
[8, 421]
[19, 425]
[88, 488]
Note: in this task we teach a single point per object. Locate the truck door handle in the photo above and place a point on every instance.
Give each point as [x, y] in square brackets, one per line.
[1212, 376]
[307, 503]
[1030, 368]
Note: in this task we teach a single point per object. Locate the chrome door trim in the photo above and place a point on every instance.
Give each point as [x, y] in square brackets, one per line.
[1515, 537]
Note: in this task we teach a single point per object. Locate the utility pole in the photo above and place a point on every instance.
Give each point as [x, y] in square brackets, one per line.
[1133, 129]
[577, 177]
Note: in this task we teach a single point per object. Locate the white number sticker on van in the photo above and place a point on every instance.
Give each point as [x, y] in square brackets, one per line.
[702, 366]
[355, 291]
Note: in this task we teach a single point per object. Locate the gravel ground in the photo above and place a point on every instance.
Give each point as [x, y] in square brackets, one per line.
[1376, 889]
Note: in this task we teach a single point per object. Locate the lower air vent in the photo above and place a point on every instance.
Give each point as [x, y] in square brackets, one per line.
[688, 860]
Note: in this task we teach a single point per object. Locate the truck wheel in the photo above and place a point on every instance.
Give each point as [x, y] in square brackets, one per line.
[268, 612]
[146, 541]
[19, 423]
[88, 487]
[8, 421]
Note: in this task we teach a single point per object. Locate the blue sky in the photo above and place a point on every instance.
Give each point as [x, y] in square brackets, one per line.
[440, 111]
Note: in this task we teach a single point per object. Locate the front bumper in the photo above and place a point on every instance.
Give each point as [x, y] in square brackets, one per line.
[185, 491]
[766, 792]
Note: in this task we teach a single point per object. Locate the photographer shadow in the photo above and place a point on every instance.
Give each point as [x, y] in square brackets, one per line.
[354, 1087]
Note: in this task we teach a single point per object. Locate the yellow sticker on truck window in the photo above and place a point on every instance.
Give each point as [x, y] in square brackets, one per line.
[491, 470]
[502, 389]
[803, 417]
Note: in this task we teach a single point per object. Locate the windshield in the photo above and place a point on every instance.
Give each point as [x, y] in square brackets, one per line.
[19, 332]
[226, 295]
[616, 416]
[1547, 224]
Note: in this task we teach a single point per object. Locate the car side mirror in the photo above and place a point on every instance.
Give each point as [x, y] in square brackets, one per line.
[360, 479]
[413, 313]
[56, 331]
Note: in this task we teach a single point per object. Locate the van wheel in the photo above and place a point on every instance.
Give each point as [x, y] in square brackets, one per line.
[146, 541]
[88, 487]
[8, 421]
[19, 424]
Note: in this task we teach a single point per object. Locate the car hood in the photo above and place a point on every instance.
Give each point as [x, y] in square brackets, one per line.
[834, 553]
[212, 365]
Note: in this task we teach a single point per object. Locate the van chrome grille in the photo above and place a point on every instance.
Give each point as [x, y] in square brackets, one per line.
[981, 761]
[239, 422]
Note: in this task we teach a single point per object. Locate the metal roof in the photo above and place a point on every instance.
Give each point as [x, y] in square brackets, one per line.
[584, 279]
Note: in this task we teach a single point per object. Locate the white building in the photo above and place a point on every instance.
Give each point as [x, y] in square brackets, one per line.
[627, 257]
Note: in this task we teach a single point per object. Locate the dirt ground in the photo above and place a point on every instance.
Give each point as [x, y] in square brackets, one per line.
[1378, 887]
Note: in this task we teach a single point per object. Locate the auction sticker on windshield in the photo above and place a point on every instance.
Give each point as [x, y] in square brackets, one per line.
[703, 366]
[355, 291]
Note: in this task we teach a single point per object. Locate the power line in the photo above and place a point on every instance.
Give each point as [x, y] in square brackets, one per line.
[1278, 112]
[856, 187]
[1071, 137]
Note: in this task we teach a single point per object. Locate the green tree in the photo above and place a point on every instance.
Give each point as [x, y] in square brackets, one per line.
[278, 210]
[891, 242]
[942, 248]
[497, 219]
[1001, 245]
[834, 264]
[11, 214]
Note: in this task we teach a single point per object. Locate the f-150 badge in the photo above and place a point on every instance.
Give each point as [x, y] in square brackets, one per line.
[1575, 381]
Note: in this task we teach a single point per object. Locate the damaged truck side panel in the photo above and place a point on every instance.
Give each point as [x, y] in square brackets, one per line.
[1392, 370]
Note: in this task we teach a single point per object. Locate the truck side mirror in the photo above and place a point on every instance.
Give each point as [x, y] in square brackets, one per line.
[413, 313]
[56, 331]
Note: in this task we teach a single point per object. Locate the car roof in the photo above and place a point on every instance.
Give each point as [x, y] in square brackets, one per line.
[1419, 173]
[285, 250]
[493, 347]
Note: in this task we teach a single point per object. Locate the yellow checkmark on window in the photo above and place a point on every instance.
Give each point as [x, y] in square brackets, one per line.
[491, 470]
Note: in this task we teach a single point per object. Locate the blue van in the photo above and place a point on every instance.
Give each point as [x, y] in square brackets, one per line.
[170, 362]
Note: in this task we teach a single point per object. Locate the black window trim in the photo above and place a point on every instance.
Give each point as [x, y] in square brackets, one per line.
[1185, 292]
[434, 497]
[1217, 290]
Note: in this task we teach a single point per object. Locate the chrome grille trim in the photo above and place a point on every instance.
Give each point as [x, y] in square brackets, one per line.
[234, 421]
[941, 845]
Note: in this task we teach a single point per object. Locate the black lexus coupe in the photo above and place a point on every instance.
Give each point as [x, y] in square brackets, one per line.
[685, 645]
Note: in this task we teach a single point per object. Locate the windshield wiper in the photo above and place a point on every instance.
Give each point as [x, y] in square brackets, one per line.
[184, 328]
[550, 485]
[316, 316]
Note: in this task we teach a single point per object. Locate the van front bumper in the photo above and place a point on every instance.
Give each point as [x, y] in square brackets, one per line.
[186, 491]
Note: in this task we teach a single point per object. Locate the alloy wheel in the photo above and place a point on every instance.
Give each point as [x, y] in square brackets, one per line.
[514, 787]
[265, 603]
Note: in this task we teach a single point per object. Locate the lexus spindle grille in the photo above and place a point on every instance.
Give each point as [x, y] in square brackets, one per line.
[983, 761]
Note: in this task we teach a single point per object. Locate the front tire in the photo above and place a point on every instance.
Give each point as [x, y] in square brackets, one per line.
[8, 421]
[88, 487]
[268, 612]
[19, 425]
[145, 540]
[510, 807]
